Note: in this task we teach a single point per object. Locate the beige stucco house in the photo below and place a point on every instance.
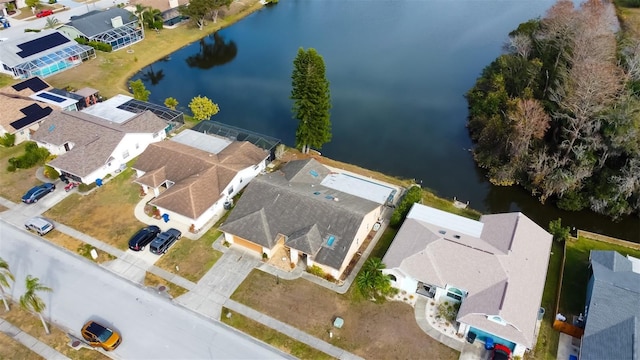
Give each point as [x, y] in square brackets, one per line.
[494, 268]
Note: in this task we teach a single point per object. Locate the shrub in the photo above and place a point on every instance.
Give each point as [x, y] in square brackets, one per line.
[95, 44]
[51, 173]
[33, 155]
[560, 233]
[315, 270]
[32, 30]
[8, 140]
[52, 1]
[84, 187]
[413, 195]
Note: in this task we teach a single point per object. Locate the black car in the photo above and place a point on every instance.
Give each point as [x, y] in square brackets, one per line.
[37, 192]
[143, 237]
[163, 242]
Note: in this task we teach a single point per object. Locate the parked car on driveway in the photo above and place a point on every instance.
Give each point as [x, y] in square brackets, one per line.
[164, 240]
[39, 225]
[143, 237]
[500, 352]
[37, 192]
[100, 336]
[44, 13]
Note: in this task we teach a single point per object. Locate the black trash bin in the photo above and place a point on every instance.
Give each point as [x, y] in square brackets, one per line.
[471, 337]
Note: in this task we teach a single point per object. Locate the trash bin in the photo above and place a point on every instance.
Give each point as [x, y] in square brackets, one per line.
[488, 343]
[471, 337]
[540, 313]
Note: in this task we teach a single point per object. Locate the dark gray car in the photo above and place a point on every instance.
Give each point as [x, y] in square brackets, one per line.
[164, 240]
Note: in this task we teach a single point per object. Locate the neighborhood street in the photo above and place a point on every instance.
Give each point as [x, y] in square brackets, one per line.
[152, 327]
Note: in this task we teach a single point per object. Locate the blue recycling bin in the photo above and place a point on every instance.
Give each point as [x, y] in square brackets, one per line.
[488, 343]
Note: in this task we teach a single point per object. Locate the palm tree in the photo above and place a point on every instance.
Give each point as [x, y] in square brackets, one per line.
[5, 277]
[153, 17]
[371, 282]
[52, 23]
[30, 301]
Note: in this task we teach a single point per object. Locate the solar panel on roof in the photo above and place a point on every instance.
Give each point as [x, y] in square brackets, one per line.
[32, 114]
[41, 44]
[35, 84]
[51, 97]
[65, 93]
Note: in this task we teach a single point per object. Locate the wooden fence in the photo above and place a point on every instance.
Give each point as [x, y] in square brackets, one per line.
[608, 239]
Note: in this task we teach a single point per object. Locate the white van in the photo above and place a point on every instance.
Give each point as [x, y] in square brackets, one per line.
[39, 225]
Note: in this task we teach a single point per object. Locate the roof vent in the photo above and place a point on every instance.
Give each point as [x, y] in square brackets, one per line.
[52, 127]
[316, 193]
[313, 173]
[456, 236]
[329, 197]
[336, 199]
[442, 232]
[116, 22]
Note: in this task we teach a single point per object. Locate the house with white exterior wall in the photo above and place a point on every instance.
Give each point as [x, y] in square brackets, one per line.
[494, 268]
[88, 148]
[321, 217]
[191, 184]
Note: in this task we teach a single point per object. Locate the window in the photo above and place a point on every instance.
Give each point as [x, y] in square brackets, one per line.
[496, 319]
[137, 145]
[392, 277]
[230, 190]
[125, 154]
[155, 135]
[454, 296]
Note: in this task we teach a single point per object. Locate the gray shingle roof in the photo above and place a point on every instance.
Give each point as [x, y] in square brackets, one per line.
[612, 328]
[98, 21]
[292, 202]
[94, 138]
[503, 270]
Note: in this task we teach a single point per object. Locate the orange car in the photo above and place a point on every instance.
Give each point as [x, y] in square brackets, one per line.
[100, 336]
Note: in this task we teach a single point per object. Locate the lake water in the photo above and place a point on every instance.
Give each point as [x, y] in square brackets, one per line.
[398, 72]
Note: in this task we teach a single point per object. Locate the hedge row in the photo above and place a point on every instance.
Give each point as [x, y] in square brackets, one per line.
[100, 46]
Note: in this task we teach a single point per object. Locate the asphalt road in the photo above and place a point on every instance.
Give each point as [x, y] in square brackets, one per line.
[152, 327]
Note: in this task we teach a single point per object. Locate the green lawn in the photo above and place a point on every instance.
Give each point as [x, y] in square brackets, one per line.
[576, 272]
[547, 346]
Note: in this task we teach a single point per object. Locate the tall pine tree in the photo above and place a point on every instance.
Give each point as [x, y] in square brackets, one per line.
[312, 100]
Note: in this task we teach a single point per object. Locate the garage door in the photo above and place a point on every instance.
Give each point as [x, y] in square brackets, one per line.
[247, 244]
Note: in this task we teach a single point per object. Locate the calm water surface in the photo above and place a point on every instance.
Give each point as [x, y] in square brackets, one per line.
[398, 73]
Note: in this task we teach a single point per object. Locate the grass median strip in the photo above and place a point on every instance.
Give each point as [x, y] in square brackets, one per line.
[76, 246]
[58, 339]
[271, 337]
[155, 281]
[12, 349]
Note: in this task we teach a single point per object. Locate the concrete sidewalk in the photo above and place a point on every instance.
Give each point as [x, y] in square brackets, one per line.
[29, 341]
[214, 289]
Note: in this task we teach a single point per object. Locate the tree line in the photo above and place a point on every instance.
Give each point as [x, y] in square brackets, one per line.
[557, 112]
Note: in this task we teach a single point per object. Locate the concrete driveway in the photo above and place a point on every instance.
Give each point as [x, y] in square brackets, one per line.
[151, 326]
